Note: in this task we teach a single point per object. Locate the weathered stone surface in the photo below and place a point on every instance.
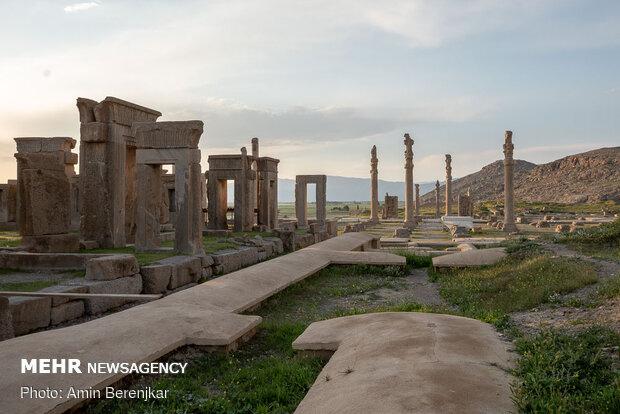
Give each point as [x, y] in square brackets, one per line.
[288, 239]
[230, 260]
[374, 185]
[58, 261]
[390, 207]
[304, 240]
[51, 243]
[509, 208]
[409, 206]
[448, 196]
[155, 278]
[402, 233]
[57, 300]
[67, 311]
[301, 198]
[111, 267]
[6, 322]
[278, 247]
[184, 270]
[131, 284]
[470, 258]
[29, 314]
[562, 228]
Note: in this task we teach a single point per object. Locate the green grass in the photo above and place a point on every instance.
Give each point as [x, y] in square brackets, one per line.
[10, 239]
[213, 244]
[562, 373]
[516, 283]
[142, 257]
[610, 288]
[414, 261]
[600, 241]
[28, 286]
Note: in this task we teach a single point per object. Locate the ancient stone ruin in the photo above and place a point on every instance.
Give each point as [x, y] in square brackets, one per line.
[448, 200]
[374, 185]
[44, 166]
[8, 205]
[108, 169]
[509, 207]
[390, 207]
[163, 143]
[417, 202]
[437, 200]
[301, 199]
[409, 207]
[465, 204]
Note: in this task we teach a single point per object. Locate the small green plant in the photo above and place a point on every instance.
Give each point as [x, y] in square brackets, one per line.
[415, 261]
[561, 373]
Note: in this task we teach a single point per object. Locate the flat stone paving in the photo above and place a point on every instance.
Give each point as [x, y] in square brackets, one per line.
[408, 363]
[203, 315]
[469, 258]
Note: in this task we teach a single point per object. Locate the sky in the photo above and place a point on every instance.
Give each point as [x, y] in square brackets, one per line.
[319, 82]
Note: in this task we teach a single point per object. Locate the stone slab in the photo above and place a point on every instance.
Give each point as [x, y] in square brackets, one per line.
[66, 312]
[56, 261]
[131, 284]
[29, 314]
[57, 300]
[155, 278]
[111, 267]
[408, 363]
[471, 258]
[184, 270]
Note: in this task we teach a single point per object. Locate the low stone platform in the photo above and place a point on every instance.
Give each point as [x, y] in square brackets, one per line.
[470, 258]
[205, 314]
[407, 363]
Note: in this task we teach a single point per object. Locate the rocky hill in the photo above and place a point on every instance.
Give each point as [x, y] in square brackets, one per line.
[588, 177]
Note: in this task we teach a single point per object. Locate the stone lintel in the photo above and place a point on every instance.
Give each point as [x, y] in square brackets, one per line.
[44, 144]
[227, 162]
[176, 134]
[311, 179]
[163, 156]
[267, 164]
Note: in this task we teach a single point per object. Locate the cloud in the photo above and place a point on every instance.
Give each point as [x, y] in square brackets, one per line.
[78, 7]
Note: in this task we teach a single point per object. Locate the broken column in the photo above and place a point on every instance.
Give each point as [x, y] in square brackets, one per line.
[301, 199]
[163, 143]
[409, 208]
[390, 207]
[437, 200]
[448, 184]
[44, 167]
[374, 185]
[509, 207]
[108, 169]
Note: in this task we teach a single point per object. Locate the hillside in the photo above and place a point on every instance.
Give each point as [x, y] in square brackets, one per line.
[581, 178]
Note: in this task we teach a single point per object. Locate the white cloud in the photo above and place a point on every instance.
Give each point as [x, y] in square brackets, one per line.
[78, 7]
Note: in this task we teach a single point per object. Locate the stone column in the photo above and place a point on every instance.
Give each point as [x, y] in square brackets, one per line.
[301, 202]
[44, 166]
[509, 208]
[409, 208]
[437, 200]
[321, 200]
[374, 186]
[448, 184]
[148, 207]
[417, 201]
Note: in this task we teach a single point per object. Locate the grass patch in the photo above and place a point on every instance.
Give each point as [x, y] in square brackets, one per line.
[414, 261]
[143, 258]
[610, 288]
[514, 284]
[214, 244]
[600, 241]
[10, 239]
[28, 286]
[561, 373]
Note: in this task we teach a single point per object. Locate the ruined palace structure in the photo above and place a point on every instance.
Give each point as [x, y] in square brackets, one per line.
[465, 205]
[108, 169]
[409, 207]
[448, 184]
[255, 190]
[509, 208]
[390, 207]
[169, 143]
[44, 167]
[437, 200]
[301, 199]
[8, 205]
[374, 185]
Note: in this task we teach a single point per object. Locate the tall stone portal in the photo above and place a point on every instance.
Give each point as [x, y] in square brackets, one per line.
[374, 186]
[509, 207]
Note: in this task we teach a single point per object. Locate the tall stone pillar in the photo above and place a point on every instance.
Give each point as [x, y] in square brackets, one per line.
[437, 200]
[374, 185]
[509, 207]
[409, 208]
[44, 166]
[448, 184]
[417, 201]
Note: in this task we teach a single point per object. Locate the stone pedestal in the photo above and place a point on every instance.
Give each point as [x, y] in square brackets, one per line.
[108, 169]
[301, 198]
[374, 186]
[448, 201]
[509, 208]
[162, 143]
[44, 166]
[409, 207]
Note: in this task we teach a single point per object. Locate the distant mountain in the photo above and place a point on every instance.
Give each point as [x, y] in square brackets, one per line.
[588, 177]
[349, 189]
